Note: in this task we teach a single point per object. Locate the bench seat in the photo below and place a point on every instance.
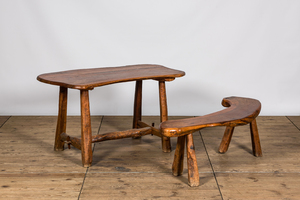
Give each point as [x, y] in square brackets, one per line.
[240, 111]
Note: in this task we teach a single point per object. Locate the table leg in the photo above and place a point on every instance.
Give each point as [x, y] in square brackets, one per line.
[166, 143]
[177, 167]
[86, 130]
[193, 173]
[256, 148]
[62, 118]
[137, 113]
[226, 139]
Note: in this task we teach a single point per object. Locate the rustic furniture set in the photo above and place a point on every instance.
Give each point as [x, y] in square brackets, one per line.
[240, 111]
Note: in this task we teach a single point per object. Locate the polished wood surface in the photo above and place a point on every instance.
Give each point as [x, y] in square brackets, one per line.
[122, 134]
[87, 79]
[86, 129]
[256, 148]
[226, 139]
[138, 169]
[241, 111]
[193, 173]
[166, 144]
[177, 167]
[154, 131]
[61, 119]
[137, 112]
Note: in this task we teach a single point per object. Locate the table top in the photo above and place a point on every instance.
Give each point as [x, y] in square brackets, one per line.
[88, 79]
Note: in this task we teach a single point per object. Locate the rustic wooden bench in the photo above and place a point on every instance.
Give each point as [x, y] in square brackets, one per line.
[88, 79]
[241, 111]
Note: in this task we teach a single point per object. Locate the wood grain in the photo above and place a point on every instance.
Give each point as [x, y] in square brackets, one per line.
[121, 134]
[262, 186]
[166, 144]
[193, 173]
[155, 131]
[146, 186]
[256, 148]
[43, 186]
[86, 130]
[75, 142]
[241, 111]
[143, 155]
[26, 146]
[177, 167]
[3, 119]
[279, 137]
[138, 169]
[62, 119]
[137, 112]
[226, 139]
[87, 79]
[295, 120]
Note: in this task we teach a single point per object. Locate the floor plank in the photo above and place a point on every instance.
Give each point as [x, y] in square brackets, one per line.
[259, 185]
[147, 186]
[26, 146]
[138, 155]
[138, 169]
[279, 142]
[3, 119]
[41, 186]
[295, 120]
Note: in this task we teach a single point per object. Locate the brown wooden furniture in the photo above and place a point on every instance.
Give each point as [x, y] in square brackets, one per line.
[241, 111]
[87, 79]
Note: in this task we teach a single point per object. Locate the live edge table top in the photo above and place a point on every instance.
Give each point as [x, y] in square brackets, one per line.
[88, 79]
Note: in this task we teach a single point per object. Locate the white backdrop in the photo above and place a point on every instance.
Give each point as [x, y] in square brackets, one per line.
[242, 48]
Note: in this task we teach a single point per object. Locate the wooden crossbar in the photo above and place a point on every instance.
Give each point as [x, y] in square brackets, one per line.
[154, 131]
[76, 142]
[122, 134]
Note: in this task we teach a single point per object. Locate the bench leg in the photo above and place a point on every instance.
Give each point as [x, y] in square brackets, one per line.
[137, 112]
[256, 148]
[193, 173]
[62, 118]
[226, 139]
[166, 143]
[177, 166]
[86, 130]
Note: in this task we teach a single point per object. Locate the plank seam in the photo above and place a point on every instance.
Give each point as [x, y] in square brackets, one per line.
[211, 166]
[87, 170]
[83, 182]
[5, 121]
[100, 125]
[292, 123]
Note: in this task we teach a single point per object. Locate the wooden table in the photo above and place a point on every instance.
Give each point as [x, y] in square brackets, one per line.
[87, 79]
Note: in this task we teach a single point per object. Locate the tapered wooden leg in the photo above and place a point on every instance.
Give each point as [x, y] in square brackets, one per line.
[226, 139]
[137, 112]
[177, 167]
[166, 143]
[256, 148]
[86, 131]
[193, 173]
[62, 118]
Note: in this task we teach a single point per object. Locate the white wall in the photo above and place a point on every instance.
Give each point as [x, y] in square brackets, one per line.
[243, 48]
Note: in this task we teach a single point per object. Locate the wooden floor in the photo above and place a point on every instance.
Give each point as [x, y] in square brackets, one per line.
[138, 169]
